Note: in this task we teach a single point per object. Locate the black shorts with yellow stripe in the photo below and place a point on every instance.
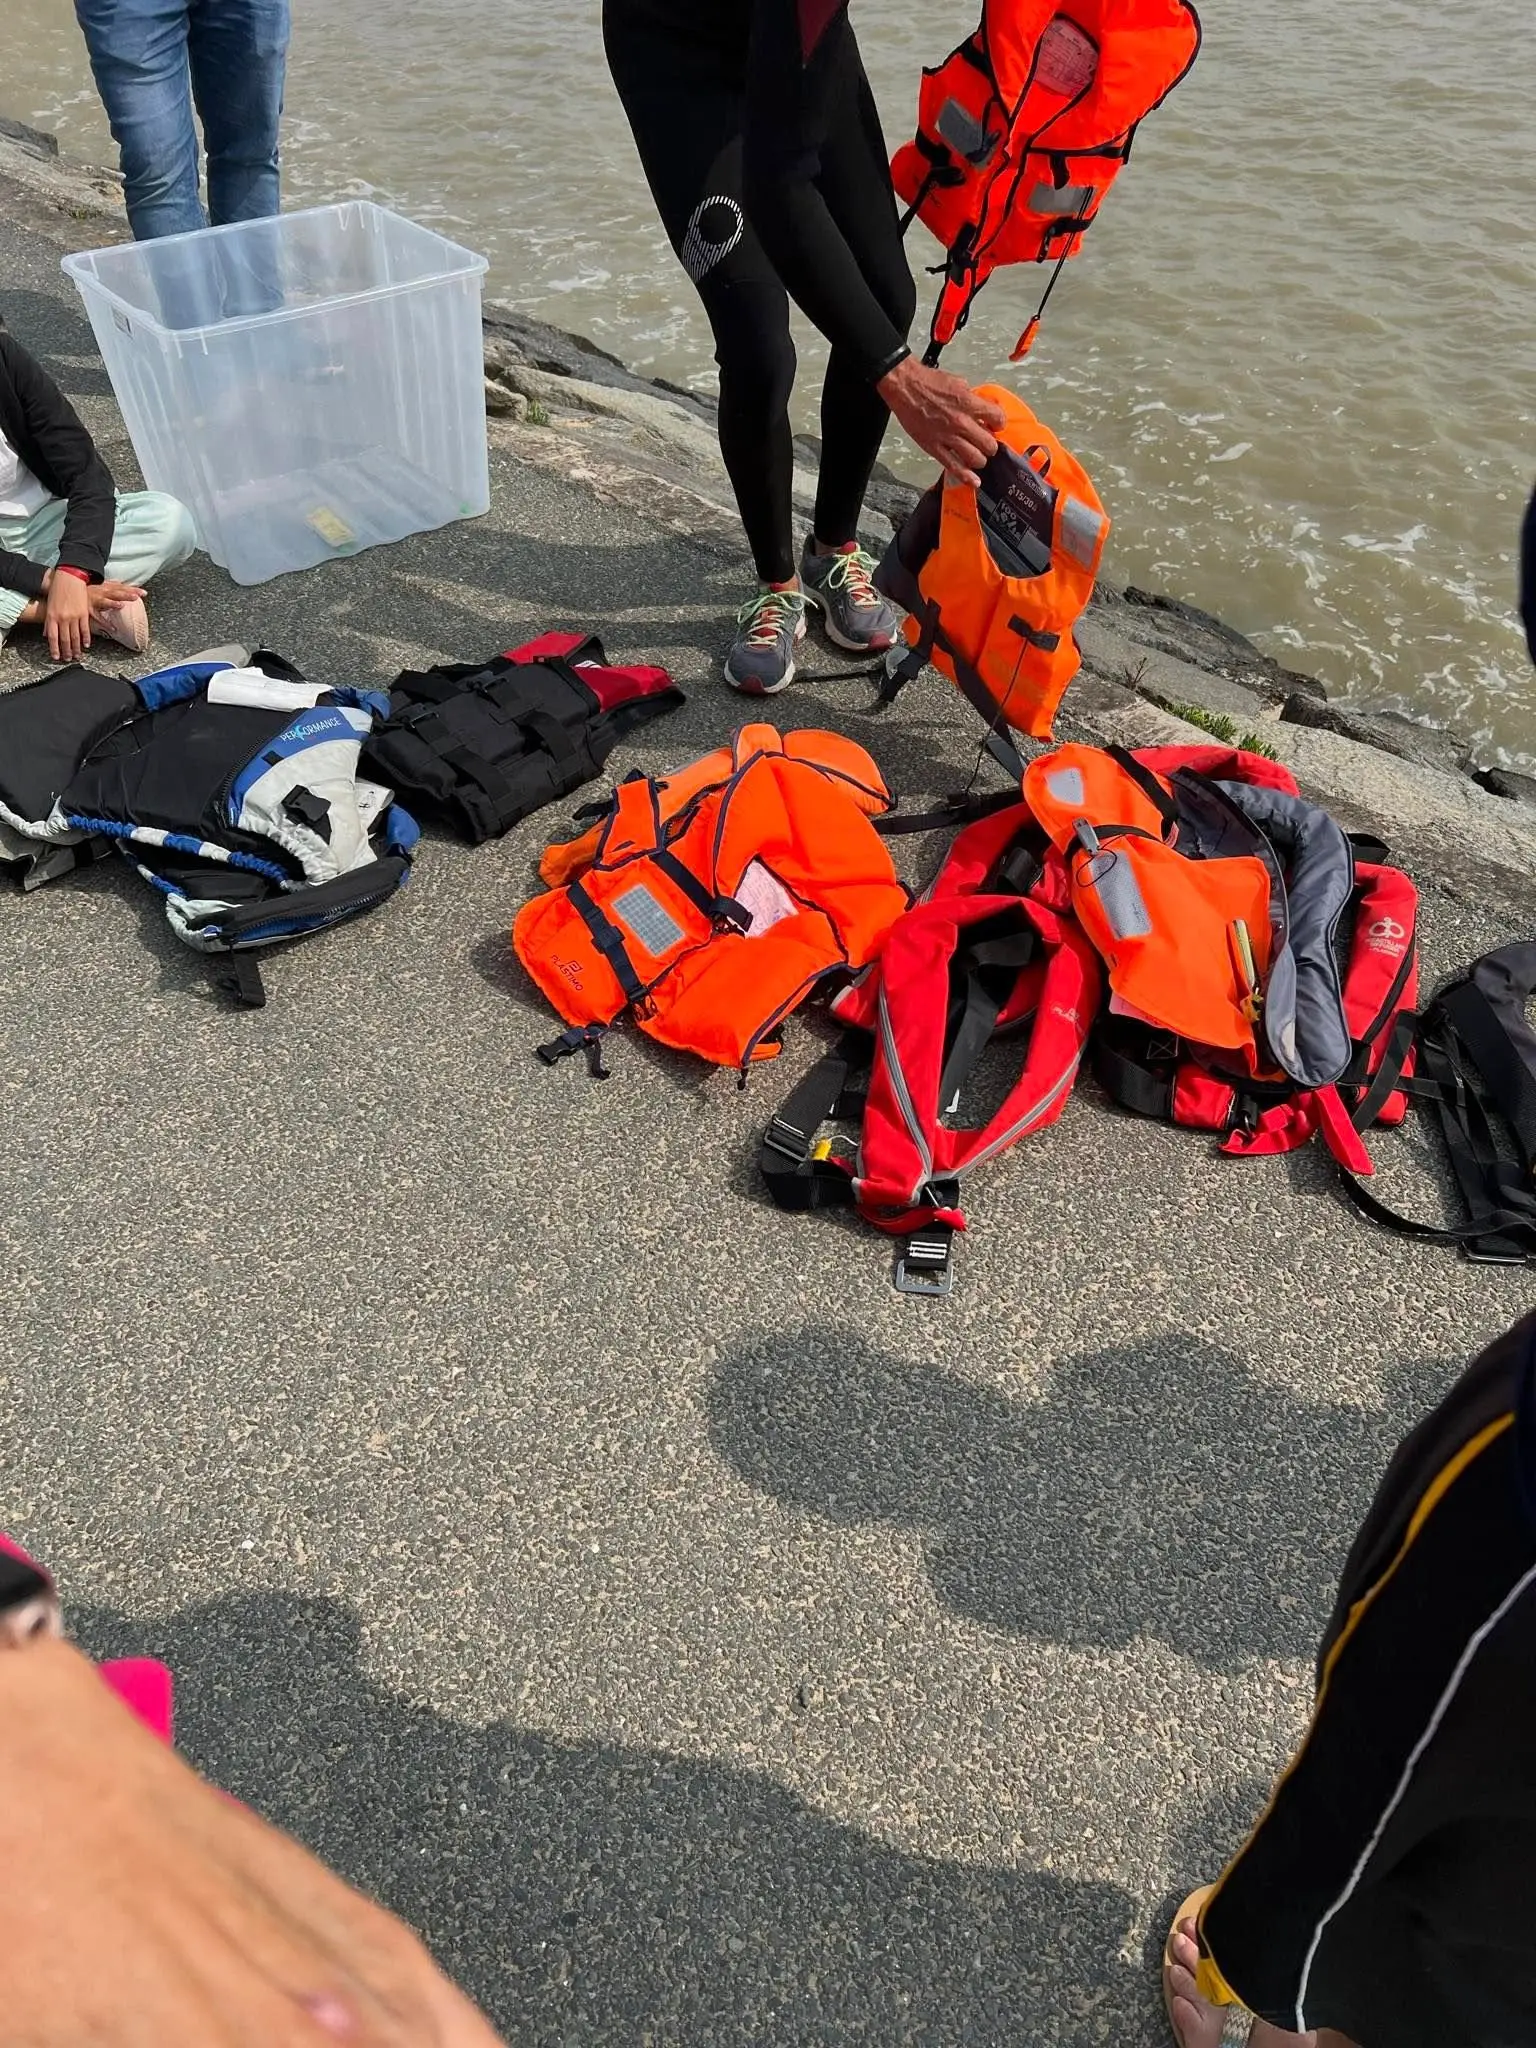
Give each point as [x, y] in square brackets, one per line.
[1389, 1889]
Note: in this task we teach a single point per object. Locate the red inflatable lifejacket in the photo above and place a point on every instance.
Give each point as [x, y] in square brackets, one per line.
[1023, 129]
[992, 949]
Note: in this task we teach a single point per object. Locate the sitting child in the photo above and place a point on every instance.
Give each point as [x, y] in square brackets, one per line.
[75, 553]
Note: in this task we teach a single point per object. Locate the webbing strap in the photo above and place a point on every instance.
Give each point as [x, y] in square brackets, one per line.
[1501, 1214]
[1131, 1083]
[710, 906]
[551, 736]
[1148, 784]
[970, 685]
[957, 810]
[989, 968]
[1388, 1077]
[793, 1177]
[428, 686]
[609, 941]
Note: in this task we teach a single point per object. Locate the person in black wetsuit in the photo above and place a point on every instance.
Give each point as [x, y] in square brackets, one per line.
[760, 139]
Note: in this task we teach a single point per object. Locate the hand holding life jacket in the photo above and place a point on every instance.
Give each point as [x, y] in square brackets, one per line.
[994, 579]
[1022, 131]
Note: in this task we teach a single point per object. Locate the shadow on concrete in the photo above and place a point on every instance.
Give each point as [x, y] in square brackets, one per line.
[56, 329]
[1158, 1489]
[586, 1892]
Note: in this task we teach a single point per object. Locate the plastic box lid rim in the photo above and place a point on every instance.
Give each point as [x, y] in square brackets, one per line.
[78, 266]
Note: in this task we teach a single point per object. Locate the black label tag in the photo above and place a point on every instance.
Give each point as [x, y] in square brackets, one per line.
[1018, 510]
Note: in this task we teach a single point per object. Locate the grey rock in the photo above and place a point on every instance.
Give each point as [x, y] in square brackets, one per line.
[36, 141]
[1288, 682]
[1506, 783]
[1169, 626]
[1197, 624]
[502, 402]
[512, 339]
[1424, 744]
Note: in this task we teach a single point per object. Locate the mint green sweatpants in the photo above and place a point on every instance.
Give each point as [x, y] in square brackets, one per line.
[153, 532]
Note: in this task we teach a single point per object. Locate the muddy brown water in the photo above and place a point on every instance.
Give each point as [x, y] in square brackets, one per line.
[1296, 355]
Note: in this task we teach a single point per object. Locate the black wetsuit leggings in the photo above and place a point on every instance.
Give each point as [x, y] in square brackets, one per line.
[685, 108]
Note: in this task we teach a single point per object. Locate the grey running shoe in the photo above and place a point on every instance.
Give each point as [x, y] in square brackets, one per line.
[768, 628]
[842, 586]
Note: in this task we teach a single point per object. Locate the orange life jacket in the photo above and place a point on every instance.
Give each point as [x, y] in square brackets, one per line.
[993, 579]
[709, 904]
[1023, 129]
[1187, 942]
[843, 760]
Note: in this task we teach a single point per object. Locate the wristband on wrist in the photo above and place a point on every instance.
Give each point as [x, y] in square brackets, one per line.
[28, 1605]
[69, 569]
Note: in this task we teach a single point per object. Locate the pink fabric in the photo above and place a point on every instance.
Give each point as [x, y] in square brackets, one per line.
[144, 1685]
[15, 1550]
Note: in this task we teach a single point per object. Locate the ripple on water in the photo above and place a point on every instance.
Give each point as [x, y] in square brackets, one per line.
[1300, 334]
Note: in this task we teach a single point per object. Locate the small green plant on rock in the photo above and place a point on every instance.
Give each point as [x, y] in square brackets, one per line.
[1222, 728]
[538, 414]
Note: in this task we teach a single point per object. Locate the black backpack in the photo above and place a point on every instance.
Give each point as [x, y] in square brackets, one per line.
[1470, 1061]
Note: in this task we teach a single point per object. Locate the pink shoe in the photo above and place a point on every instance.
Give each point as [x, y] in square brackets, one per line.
[127, 624]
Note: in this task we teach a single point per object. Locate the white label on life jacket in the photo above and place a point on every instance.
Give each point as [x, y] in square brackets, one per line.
[1067, 202]
[1066, 785]
[764, 898]
[648, 920]
[1066, 59]
[262, 692]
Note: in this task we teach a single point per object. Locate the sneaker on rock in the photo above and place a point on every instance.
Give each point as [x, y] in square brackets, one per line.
[769, 627]
[842, 587]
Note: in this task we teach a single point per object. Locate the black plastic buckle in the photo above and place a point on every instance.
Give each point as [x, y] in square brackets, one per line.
[587, 1038]
[902, 666]
[924, 1265]
[787, 1141]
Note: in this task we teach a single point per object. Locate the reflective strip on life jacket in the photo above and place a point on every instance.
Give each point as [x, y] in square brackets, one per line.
[1187, 943]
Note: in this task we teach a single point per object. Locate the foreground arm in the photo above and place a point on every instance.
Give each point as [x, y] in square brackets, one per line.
[143, 1909]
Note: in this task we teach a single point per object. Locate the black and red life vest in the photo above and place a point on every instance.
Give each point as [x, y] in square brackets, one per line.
[485, 744]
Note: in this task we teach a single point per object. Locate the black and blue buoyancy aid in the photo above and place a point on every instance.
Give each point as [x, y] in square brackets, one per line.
[250, 819]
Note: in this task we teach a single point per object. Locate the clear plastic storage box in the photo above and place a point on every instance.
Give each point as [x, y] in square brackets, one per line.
[307, 386]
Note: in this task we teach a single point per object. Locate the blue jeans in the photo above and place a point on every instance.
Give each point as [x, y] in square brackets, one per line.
[151, 60]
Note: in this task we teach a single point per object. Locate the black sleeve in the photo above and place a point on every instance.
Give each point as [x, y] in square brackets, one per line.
[57, 448]
[789, 103]
[1528, 575]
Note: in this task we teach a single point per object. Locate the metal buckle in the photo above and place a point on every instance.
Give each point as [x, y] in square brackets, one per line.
[924, 1265]
[787, 1141]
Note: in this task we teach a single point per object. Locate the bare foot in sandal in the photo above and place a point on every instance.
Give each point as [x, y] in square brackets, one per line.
[1199, 2024]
